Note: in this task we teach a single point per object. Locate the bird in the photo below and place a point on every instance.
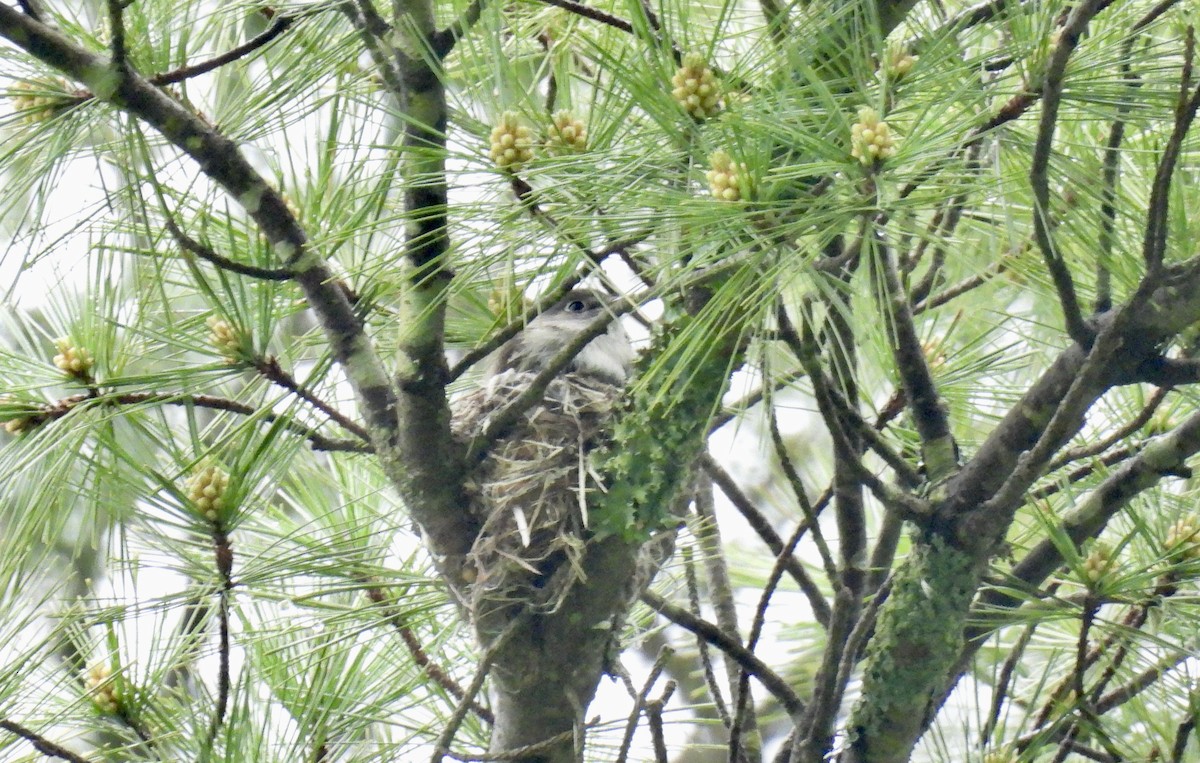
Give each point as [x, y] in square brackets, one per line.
[607, 358]
[529, 494]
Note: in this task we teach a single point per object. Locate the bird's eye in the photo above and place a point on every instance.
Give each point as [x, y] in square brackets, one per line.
[576, 306]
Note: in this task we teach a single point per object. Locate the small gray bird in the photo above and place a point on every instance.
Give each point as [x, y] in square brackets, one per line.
[608, 357]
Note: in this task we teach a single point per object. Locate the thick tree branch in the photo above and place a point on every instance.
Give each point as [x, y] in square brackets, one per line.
[433, 465]
[928, 412]
[1161, 458]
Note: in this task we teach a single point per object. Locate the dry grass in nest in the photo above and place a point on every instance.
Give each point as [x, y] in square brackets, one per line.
[530, 493]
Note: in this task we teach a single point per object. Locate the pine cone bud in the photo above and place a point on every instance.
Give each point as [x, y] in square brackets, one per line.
[1098, 563]
[871, 140]
[39, 100]
[73, 360]
[695, 87]
[207, 489]
[900, 62]
[18, 425]
[566, 133]
[726, 178]
[512, 143]
[14, 421]
[102, 690]
[225, 339]
[1183, 540]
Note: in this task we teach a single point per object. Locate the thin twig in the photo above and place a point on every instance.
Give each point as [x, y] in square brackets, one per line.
[1139, 683]
[506, 417]
[756, 627]
[524, 752]
[1111, 178]
[770, 680]
[41, 743]
[194, 247]
[443, 42]
[969, 283]
[442, 746]
[1052, 88]
[65, 405]
[588, 12]
[1136, 423]
[767, 533]
[421, 657]
[271, 370]
[1154, 243]
[501, 336]
[1004, 682]
[278, 27]
[654, 719]
[223, 553]
[639, 702]
[797, 485]
[710, 675]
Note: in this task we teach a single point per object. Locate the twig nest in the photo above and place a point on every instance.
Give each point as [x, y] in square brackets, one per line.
[512, 143]
[726, 178]
[566, 134]
[871, 139]
[207, 490]
[72, 359]
[695, 88]
[101, 689]
[530, 492]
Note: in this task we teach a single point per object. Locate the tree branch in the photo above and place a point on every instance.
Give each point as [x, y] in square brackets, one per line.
[766, 532]
[1052, 86]
[718, 638]
[192, 246]
[41, 743]
[62, 407]
[1154, 242]
[278, 26]
[422, 658]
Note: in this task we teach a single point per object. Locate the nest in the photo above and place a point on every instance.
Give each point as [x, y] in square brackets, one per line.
[530, 493]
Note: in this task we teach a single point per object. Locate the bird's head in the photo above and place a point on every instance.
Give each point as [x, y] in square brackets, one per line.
[608, 357]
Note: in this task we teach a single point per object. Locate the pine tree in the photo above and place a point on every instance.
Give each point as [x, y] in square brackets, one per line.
[907, 446]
